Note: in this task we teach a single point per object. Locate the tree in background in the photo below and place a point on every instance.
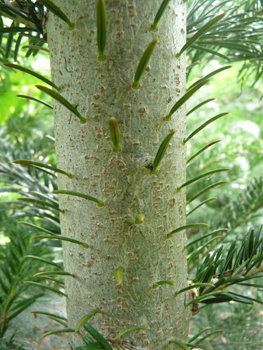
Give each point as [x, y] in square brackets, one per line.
[120, 143]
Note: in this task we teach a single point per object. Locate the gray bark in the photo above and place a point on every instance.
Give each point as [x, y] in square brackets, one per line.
[101, 90]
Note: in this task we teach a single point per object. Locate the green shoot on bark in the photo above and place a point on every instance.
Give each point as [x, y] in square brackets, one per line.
[35, 47]
[77, 194]
[97, 336]
[200, 105]
[200, 205]
[39, 228]
[161, 152]
[45, 287]
[44, 261]
[206, 189]
[118, 274]
[139, 219]
[197, 285]
[101, 28]
[201, 127]
[201, 176]
[143, 63]
[159, 283]
[219, 70]
[63, 101]
[180, 344]
[35, 99]
[159, 13]
[40, 165]
[114, 134]
[58, 331]
[62, 238]
[34, 74]
[201, 150]
[205, 236]
[185, 227]
[57, 273]
[56, 10]
[130, 330]
[85, 319]
[201, 32]
[185, 97]
[42, 203]
[48, 314]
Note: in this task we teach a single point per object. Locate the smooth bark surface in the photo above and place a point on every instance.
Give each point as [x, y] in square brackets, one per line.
[123, 180]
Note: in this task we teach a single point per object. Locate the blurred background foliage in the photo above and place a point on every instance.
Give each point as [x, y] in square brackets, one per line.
[25, 125]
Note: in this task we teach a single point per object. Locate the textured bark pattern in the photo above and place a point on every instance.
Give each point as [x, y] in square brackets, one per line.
[101, 90]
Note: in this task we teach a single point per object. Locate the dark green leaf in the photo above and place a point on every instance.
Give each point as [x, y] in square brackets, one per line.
[205, 236]
[56, 10]
[219, 70]
[160, 13]
[40, 165]
[161, 152]
[201, 127]
[34, 74]
[45, 287]
[114, 134]
[180, 344]
[77, 194]
[58, 331]
[185, 227]
[143, 63]
[201, 32]
[201, 176]
[200, 105]
[85, 319]
[62, 238]
[130, 330]
[101, 28]
[57, 273]
[185, 97]
[41, 203]
[63, 101]
[97, 336]
[48, 314]
[200, 205]
[201, 150]
[43, 260]
[205, 190]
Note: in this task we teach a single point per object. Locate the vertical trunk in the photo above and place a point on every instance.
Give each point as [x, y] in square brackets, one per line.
[122, 180]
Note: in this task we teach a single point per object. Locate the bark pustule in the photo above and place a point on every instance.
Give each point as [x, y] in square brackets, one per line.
[101, 90]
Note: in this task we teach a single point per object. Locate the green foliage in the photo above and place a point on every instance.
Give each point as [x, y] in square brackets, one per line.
[82, 195]
[237, 266]
[10, 344]
[161, 152]
[15, 267]
[143, 63]
[185, 97]
[101, 28]
[57, 12]
[98, 337]
[160, 13]
[15, 297]
[62, 101]
[114, 134]
[238, 34]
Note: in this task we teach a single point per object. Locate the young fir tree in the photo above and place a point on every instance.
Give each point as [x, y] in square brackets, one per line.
[120, 134]
[128, 234]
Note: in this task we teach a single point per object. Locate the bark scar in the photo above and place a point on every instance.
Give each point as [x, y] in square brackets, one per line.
[66, 66]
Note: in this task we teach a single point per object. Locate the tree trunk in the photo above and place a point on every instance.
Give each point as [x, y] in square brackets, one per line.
[122, 180]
